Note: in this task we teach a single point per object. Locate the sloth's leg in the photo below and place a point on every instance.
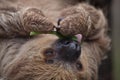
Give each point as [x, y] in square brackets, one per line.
[21, 22]
[91, 23]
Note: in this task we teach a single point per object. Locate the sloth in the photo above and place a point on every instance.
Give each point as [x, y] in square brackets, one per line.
[45, 56]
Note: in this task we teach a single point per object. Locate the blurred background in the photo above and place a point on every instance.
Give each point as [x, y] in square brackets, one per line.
[115, 22]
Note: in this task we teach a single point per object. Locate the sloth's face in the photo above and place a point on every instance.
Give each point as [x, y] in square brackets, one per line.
[49, 58]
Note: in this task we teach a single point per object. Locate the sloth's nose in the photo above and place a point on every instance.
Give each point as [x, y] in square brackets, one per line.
[68, 50]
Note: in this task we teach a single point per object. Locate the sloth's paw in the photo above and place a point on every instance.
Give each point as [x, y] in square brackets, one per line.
[35, 20]
[74, 21]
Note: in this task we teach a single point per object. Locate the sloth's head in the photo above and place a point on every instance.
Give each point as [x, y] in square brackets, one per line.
[46, 57]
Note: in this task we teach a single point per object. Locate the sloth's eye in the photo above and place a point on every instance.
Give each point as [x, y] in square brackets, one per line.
[49, 52]
[79, 66]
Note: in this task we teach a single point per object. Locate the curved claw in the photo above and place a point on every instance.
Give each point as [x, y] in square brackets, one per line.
[59, 20]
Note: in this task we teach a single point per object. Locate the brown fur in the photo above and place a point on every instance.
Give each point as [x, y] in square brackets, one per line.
[24, 59]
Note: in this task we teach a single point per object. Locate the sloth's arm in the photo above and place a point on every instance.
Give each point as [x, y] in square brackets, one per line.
[21, 22]
[91, 23]
[83, 19]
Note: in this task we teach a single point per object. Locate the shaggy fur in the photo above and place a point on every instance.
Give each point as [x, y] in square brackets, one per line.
[22, 57]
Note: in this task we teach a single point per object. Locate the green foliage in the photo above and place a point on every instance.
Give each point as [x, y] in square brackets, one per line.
[55, 33]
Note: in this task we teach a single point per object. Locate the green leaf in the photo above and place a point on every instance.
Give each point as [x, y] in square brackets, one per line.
[74, 38]
[57, 34]
[34, 33]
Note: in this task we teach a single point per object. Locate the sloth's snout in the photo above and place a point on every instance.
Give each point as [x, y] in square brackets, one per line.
[68, 50]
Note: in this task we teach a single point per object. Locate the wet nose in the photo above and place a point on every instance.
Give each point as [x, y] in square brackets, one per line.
[68, 50]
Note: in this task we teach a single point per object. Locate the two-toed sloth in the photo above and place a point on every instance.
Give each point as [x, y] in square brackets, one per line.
[45, 56]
